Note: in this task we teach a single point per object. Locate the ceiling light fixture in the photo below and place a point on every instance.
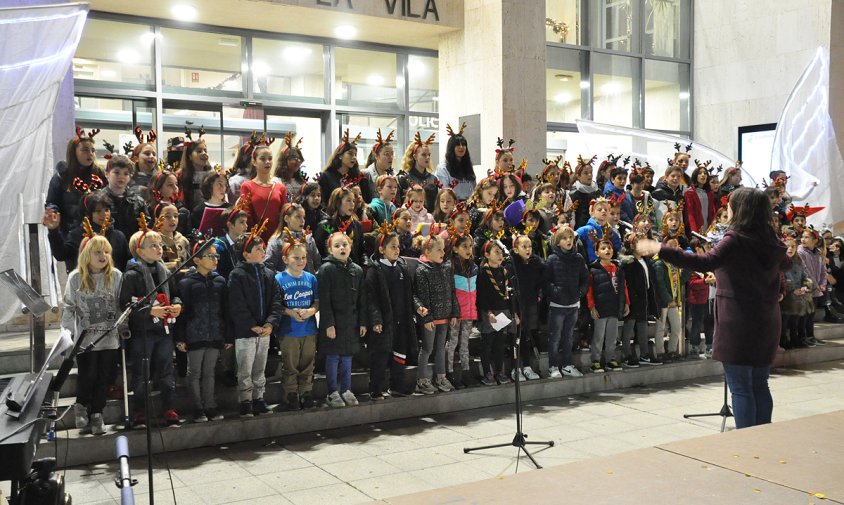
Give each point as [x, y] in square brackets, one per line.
[375, 80]
[128, 56]
[563, 77]
[416, 66]
[684, 95]
[345, 32]
[562, 98]
[184, 12]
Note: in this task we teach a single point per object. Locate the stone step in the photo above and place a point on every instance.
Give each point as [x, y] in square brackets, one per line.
[227, 397]
[77, 449]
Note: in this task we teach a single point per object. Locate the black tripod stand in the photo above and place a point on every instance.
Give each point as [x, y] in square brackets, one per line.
[520, 439]
[725, 411]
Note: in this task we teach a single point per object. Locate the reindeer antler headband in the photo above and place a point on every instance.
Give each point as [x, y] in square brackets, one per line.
[256, 231]
[450, 131]
[139, 134]
[288, 142]
[346, 139]
[501, 149]
[417, 141]
[380, 141]
[290, 240]
[581, 164]
[81, 135]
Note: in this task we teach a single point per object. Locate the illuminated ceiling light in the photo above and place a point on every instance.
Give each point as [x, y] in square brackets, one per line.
[563, 77]
[584, 84]
[128, 56]
[416, 66]
[260, 69]
[345, 32]
[295, 54]
[108, 74]
[684, 95]
[375, 80]
[184, 12]
[562, 98]
[435, 99]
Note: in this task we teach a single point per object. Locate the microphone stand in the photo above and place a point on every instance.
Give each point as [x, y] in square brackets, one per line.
[520, 439]
[67, 364]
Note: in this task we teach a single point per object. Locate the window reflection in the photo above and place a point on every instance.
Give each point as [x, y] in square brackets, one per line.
[201, 61]
[115, 52]
[565, 94]
[290, 69]
[666, 95]
[563, 21]
[365, 77]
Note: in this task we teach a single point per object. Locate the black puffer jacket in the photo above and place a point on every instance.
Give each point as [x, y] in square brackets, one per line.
[141, 324]
[427, 180]
[354, 231]
[65, 199]
[380, 310]
[434, 290]
[609, 296]
[642, 294]
[582, 195]
[663, 192]
[254, 299]
[202, 321]
[67, 249]
[341, 306]
[529, 275]
[566, 277]
[126, 209]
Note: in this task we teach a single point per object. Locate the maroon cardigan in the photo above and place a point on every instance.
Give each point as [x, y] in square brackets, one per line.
[747, 288]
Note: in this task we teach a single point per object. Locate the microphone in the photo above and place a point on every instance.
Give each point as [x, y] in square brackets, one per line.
[503, 248]
[626, 224]
[124, 480]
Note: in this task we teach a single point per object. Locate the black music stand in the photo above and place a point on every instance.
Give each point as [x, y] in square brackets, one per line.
[725, 411]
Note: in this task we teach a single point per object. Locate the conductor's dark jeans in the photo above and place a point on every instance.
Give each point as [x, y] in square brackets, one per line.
[752, 402]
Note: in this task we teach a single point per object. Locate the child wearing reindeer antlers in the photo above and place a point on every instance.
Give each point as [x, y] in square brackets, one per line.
[298, 331]
[388, 292]
[255, 309]
[90, 303]
[201, 330]
[608, 301]
[154, 322]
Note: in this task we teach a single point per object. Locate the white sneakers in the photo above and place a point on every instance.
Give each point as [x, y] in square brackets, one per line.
[80, 412]
[97, 425]
[522, 377]
[555, 373]
[530, 374]
[571, 371]
[349, 398]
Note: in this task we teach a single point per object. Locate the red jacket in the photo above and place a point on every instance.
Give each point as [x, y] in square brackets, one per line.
[697, 291]
[693, 213]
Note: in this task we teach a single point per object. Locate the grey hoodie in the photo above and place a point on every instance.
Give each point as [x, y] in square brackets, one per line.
[95, 311]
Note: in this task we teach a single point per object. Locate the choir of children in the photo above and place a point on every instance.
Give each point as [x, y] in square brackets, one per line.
[513, 264]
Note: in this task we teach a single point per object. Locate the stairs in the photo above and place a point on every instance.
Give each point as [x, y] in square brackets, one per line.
[84, 449]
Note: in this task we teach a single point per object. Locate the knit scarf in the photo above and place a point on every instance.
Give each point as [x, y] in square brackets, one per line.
[161, 273]
[504, 294]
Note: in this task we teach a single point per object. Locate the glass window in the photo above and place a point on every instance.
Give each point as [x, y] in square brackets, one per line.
[200, 61]
[113, 116]
[423, 73]
[238, 125]
[666, 95]
[308, 129]
[365, 77]
[616, 25]
[573, 144]
[667, 28]
[175, 121]
[289, 69]
[563, 21]
[566, 99]
[115, 52]
[617, 88]
[368, 128]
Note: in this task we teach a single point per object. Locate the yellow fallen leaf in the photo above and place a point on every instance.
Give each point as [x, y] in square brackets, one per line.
[755, 457]
[819, 495]
[747, 475]
[782, 461]
[757, 490]
[609, 472]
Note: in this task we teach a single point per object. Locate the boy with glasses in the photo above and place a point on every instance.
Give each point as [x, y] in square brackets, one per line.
[201, 330]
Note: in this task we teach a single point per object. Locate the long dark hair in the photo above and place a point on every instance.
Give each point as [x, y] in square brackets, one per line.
[459, 168]
[752, 214]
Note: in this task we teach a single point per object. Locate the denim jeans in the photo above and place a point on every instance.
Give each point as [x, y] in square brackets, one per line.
[333, 363]
[752, 402]
[561, 321]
